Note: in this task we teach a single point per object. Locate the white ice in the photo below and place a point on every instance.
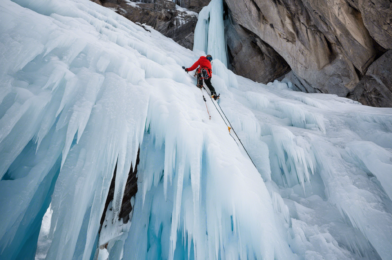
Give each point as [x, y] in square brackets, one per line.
[82, 88]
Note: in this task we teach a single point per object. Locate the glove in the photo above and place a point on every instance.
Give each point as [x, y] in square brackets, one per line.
[185, 69]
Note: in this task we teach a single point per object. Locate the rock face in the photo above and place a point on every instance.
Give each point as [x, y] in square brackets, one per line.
[375, 89]
[250, 57]
[327, 43]
[377, 16]
[163, 15]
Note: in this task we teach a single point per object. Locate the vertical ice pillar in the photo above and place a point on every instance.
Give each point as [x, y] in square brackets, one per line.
[210, 31]
[216, 32]
[201, 30]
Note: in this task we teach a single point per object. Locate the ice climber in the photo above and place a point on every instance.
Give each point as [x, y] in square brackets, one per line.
[204, 72]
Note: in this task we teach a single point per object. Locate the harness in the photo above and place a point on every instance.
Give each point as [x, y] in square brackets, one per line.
[203, 73]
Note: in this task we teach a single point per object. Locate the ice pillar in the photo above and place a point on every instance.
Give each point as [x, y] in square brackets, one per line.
[210, 31]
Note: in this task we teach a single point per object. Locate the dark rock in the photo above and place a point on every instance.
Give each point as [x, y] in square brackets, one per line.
[193, 5]
[353, 3]
[250, 57]
[375, 89]
[107, 3]
[162, 15]
[97, 2]
[129, 192]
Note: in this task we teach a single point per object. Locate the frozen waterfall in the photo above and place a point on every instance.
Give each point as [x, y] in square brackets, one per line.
[210, 31]
[82, 89]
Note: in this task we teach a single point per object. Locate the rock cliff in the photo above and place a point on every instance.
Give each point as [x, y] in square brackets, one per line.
[251, 57]
[329, 44]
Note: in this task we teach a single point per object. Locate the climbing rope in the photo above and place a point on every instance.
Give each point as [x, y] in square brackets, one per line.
[228, 124]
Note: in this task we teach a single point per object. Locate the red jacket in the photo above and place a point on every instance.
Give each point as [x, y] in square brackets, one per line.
[203, 63]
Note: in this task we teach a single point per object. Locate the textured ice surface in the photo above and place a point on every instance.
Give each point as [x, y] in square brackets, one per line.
[82, 88]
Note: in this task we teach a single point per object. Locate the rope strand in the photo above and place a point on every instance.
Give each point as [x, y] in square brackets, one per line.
[229, 126]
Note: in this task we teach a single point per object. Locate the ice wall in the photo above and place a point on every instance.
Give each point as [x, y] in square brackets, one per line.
[82, 88]
[79, 93]
[210, 32]
[70, 111]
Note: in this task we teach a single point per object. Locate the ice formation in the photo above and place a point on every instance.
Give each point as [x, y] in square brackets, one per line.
[210, 31]
[82, 88]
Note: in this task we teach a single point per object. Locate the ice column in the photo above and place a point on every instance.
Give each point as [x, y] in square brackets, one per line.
[201, 30]
[210, 31]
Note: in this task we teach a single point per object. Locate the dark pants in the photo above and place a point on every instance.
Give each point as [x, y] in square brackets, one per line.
[208, 83]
